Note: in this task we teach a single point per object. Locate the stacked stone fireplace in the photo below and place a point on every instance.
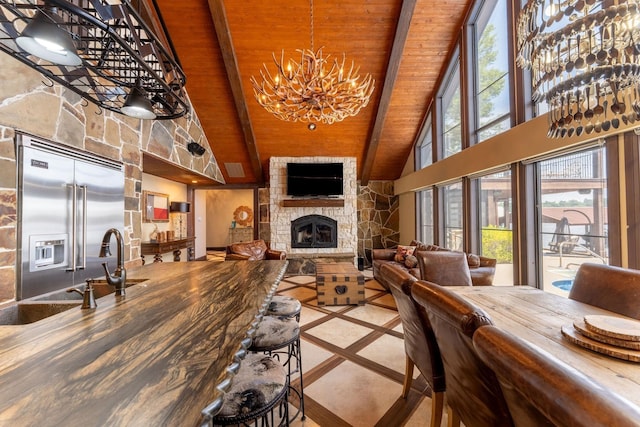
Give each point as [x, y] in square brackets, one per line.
[333, 233]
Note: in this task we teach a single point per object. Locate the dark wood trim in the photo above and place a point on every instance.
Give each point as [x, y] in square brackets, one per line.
[219, 18]
[402, 30]
[612, 149]
[632, 185]
[526, 245]
[314, 203]
[472, 230]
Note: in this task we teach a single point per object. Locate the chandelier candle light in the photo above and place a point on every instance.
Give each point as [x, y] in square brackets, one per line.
[583, 56]
[314, 90]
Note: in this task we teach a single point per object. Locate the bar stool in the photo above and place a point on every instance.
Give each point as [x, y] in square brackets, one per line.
[273, 335]
[284, 306]
[258, 388]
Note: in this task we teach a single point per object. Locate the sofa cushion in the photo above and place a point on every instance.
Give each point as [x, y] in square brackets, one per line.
[419, 245]
[446, 268]
[410, 261]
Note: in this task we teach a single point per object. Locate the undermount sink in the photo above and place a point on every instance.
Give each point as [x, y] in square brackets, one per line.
[42, 306]
[26, 312]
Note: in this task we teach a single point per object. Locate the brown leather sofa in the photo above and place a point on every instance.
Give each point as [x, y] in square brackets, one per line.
[252, 251]
[482, 269]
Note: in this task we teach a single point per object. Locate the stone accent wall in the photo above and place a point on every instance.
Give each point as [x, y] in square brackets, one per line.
[378, 218]
[281, 216]
[264, 220]
[54, 113]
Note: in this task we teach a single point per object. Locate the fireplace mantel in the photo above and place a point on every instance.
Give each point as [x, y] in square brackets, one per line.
[312, 203]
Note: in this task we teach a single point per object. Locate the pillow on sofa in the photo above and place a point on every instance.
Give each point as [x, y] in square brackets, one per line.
[402, 252]
[473, 260]
[410, 261]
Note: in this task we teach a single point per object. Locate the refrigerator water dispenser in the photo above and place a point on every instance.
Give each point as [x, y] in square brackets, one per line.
[47, 251]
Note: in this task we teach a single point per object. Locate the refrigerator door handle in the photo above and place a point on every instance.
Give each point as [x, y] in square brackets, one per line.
[84, 227]
[72, 242]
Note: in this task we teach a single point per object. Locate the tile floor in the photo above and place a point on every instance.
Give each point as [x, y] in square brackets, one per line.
[353, 361]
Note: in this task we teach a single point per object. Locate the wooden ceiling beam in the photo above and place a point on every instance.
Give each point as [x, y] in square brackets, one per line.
[399, 41]
[219, 17]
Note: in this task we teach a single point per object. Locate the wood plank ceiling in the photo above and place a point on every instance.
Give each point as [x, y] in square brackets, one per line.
[404, 45]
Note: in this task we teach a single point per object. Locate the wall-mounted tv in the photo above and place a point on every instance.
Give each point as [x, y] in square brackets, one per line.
[314, 179]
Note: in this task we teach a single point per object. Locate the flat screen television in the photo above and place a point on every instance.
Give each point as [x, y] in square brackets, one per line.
[314, 179]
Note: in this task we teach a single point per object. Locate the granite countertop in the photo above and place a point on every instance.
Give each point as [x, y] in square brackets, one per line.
[153, 357]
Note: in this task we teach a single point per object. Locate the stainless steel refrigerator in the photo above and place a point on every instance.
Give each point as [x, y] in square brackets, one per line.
[67, 200]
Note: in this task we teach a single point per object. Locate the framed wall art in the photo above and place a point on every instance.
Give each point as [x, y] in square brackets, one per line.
[155, 207]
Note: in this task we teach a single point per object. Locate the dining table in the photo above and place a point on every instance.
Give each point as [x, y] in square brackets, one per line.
[538, 317]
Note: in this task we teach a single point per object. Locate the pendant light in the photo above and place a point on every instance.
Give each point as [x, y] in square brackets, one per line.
[138, 105]
[44, 38]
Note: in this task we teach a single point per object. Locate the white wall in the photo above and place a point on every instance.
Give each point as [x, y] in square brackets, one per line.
[220, 206]
[177, 193]
[200, 223]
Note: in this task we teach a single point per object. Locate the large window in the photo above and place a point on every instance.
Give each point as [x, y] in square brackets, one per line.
[496, 226]
[453, 216]
[491, 62]
[572, 215]
[426, 230]
[424, 151]
[451, 120]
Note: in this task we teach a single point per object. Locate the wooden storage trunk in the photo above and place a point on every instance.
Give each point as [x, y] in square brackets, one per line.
[339, 284]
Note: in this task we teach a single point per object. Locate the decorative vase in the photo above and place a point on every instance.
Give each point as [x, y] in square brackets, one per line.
[153, 236]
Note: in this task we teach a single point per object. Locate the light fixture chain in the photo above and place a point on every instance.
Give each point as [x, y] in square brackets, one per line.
[311, 16]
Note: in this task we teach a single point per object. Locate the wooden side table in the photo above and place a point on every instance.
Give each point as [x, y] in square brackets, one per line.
[158, 248]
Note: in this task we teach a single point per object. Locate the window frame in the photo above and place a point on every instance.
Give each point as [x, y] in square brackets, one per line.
[453, 73]
[481, 16]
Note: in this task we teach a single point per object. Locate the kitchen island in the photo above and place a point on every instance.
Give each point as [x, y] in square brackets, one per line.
[152, 358]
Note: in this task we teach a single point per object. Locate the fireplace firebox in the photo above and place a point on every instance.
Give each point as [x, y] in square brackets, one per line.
[314, 231]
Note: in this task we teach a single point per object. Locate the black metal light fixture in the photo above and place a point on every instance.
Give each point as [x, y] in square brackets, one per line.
[195, 148]
[104, 51]
[138, 105]
[44, 38]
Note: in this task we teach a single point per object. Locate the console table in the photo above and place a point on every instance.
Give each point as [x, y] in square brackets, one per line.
[158, 248]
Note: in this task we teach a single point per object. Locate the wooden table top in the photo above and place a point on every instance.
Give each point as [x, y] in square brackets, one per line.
[338, 268]
[150, 359]
[538, 317]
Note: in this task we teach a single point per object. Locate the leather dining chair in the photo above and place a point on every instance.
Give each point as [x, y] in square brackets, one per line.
[446, 268]
[421, 349]
[541, 390]
[473, 392]
[615, 289]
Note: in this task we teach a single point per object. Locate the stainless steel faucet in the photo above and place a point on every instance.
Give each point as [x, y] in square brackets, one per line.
[119, 276]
